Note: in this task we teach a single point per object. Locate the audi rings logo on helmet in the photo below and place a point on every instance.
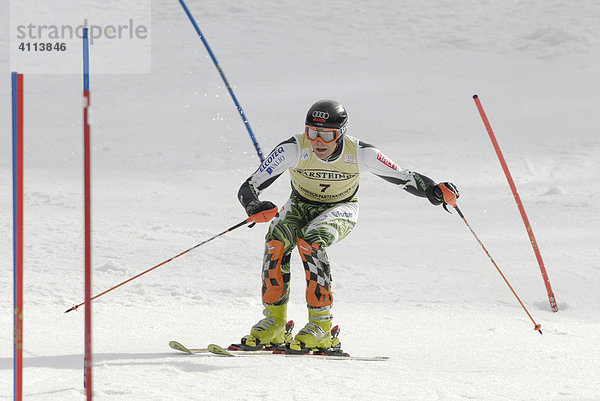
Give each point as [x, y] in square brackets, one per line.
[320, 114]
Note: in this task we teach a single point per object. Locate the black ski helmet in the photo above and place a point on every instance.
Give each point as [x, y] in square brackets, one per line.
[328, 114]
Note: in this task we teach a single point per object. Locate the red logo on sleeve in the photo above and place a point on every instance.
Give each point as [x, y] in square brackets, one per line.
[381, 157]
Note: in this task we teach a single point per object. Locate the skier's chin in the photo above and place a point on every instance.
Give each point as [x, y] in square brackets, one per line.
[321, 152]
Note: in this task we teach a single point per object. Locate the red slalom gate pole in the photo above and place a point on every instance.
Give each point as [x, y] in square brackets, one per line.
[513, 188]
[87, 378]
[17, 128]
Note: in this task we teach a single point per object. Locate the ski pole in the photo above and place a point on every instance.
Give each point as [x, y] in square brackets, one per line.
[261, 217]
[233, 97]
[450, 198]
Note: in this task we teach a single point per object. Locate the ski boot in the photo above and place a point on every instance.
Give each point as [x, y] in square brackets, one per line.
[269, 331]
[317, 336]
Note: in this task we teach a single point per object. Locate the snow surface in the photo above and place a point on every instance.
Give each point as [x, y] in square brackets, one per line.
[410, 282]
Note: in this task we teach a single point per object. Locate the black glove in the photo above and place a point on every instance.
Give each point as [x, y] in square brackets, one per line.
[436, 195]
[257, 206]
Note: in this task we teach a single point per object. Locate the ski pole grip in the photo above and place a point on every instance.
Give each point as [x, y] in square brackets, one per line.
[449, 196]
[263, 216]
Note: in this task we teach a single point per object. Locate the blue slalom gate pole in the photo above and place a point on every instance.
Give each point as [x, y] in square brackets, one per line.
[86, 61]
[214, 59]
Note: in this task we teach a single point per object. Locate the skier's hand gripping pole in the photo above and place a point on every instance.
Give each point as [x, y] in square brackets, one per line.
[450, 199]
[260, 217]
[264, 216]
[261, 211]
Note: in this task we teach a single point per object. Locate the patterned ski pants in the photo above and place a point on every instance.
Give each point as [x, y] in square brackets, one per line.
[313, 228]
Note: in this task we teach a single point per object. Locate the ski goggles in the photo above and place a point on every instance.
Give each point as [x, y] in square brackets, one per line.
[326, 135]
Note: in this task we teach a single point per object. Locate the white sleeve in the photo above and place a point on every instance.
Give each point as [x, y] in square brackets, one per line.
[284, 156]
[371, 159]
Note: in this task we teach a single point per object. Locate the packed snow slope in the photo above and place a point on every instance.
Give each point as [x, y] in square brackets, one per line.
[410, 282]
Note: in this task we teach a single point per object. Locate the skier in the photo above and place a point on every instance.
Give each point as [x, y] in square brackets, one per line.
[325, 166]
